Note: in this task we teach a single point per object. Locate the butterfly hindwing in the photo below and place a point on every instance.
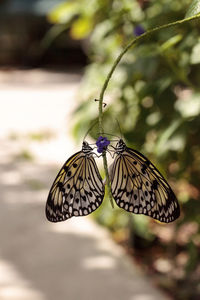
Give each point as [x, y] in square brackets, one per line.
[78, 189]
[138, 187]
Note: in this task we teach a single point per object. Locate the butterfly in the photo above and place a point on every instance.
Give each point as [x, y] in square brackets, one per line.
[138, 187]
[78, 189]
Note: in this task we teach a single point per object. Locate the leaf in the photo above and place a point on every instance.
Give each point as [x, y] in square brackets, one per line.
[194, 9]
[171, 42]
[63, 13]
[195, 57]
[170, 139]
[81, 28]
[189, 107]
[140, 225]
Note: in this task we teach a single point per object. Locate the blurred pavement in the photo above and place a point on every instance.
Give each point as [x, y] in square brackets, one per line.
[39, 260]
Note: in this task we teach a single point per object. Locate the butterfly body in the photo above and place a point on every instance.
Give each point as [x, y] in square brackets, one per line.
[138, 187]
[78, 189]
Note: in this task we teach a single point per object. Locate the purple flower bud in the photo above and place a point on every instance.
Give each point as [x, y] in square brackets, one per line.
[138, 30]
[102, 143]
[100, 149]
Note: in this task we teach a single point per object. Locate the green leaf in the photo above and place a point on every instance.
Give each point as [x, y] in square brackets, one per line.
[171, 42]
[63, 13]
[81, 28]
[189, 107]
[194, 9]
[195, 57]
[169, 140]
[140, 226]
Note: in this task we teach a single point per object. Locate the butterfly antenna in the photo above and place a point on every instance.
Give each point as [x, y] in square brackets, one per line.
[111, 134]
[90, 128]
[119, 127]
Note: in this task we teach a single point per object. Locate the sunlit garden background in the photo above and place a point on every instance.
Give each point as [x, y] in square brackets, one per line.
[154, 95]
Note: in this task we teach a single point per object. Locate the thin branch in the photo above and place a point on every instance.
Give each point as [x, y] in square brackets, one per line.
[105, 85]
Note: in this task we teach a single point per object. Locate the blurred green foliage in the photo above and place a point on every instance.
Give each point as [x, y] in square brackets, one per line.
[155, 95]
[193, 9]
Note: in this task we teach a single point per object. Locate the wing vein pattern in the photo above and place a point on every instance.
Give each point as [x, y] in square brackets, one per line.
[138, 187]
[78, 189]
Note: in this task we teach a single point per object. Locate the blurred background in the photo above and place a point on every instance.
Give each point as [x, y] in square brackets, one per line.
[54, 58]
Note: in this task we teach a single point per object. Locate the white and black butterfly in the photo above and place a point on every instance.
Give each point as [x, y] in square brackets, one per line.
[138, 187]
[78, 189]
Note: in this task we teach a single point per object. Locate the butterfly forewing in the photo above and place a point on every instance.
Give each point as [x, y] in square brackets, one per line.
[78, 189]
[138, 187]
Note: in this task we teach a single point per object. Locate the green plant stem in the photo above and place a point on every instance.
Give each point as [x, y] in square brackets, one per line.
[105, 85]
[105, 164]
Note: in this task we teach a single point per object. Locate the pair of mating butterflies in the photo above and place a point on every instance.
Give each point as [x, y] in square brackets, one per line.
[136, 185]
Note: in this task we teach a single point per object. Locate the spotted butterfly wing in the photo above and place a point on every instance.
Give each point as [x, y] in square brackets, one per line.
[138, 187]
[78, 189]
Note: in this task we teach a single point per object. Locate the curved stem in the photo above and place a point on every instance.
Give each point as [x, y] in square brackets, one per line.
[105, 85]
[134, 41]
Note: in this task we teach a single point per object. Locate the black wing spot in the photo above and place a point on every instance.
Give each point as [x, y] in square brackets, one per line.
[68, 186]
[146, 193]
[84, 198]
[66, 168]
[69, 173]
[80, 178]
[76, 189]
[74, 165]
[155, 184]
[133, 176]
[77, 200]
[135, 197]
[135, 162]
[71, 196]
[144, 167]
[60, 186]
